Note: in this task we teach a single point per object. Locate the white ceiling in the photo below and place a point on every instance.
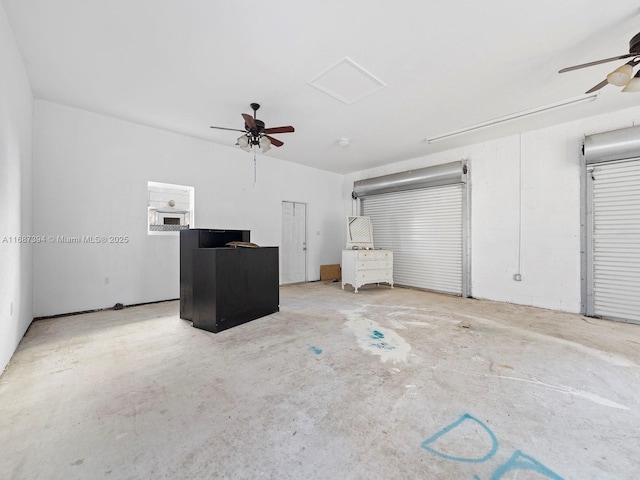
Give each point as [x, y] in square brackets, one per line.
[183, 65]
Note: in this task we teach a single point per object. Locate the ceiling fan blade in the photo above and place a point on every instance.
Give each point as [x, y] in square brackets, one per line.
[249, 120]
[287, 129]
[597, 62]
[274, 141]
[232, 129]
[602, 84]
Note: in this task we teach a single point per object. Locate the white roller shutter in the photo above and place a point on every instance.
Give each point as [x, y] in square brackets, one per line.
[424, 228]
[616, 240]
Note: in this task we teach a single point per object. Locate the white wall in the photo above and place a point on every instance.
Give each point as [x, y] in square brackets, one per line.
[90, 178]
[548, 171]
[16, 114]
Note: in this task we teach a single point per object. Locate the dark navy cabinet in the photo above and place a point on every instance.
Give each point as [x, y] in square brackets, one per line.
[232, 286]
[200, 238]
[221, 287]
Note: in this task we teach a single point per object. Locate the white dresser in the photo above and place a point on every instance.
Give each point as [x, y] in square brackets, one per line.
[360, 267]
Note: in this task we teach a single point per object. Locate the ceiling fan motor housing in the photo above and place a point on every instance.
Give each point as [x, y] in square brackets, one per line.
[634, 44]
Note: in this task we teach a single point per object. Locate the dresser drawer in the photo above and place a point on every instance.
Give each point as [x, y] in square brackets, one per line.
[364, 255]
[374, 265]
[374, 276]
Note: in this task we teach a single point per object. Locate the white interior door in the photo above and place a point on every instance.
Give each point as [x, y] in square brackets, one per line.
[294, 242]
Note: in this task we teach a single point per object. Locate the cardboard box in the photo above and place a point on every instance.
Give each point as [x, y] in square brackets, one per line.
[330, 272]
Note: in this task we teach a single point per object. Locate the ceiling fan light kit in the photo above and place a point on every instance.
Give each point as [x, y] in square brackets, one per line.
[621, 76]
[255, 134]
[634, 84]
[265, 144]
[243, 143]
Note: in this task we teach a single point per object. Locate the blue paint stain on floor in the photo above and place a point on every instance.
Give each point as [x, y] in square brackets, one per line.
[315, 350]
[383, 346]
[376, 334]
[491, 447]
[518, 461]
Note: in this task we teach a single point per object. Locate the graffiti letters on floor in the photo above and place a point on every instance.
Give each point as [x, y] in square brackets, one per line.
[450, 449]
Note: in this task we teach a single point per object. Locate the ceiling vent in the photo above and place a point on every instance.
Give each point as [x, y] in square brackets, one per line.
[348, 82]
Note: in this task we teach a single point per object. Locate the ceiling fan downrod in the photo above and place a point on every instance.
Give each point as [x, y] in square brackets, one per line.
[255, 107]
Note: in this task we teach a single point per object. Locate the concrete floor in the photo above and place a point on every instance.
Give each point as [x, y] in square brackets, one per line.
[385, 384]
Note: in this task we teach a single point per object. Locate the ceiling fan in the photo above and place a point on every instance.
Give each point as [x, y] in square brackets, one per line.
[255, 133]
[621, 76]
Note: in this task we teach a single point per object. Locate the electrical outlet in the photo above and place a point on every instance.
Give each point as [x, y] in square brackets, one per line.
[106, 280]
[517, 277]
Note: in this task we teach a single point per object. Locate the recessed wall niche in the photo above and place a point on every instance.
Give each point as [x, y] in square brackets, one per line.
[170, 208]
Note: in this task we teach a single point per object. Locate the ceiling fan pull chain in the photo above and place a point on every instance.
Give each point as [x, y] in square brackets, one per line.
[254, 168]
